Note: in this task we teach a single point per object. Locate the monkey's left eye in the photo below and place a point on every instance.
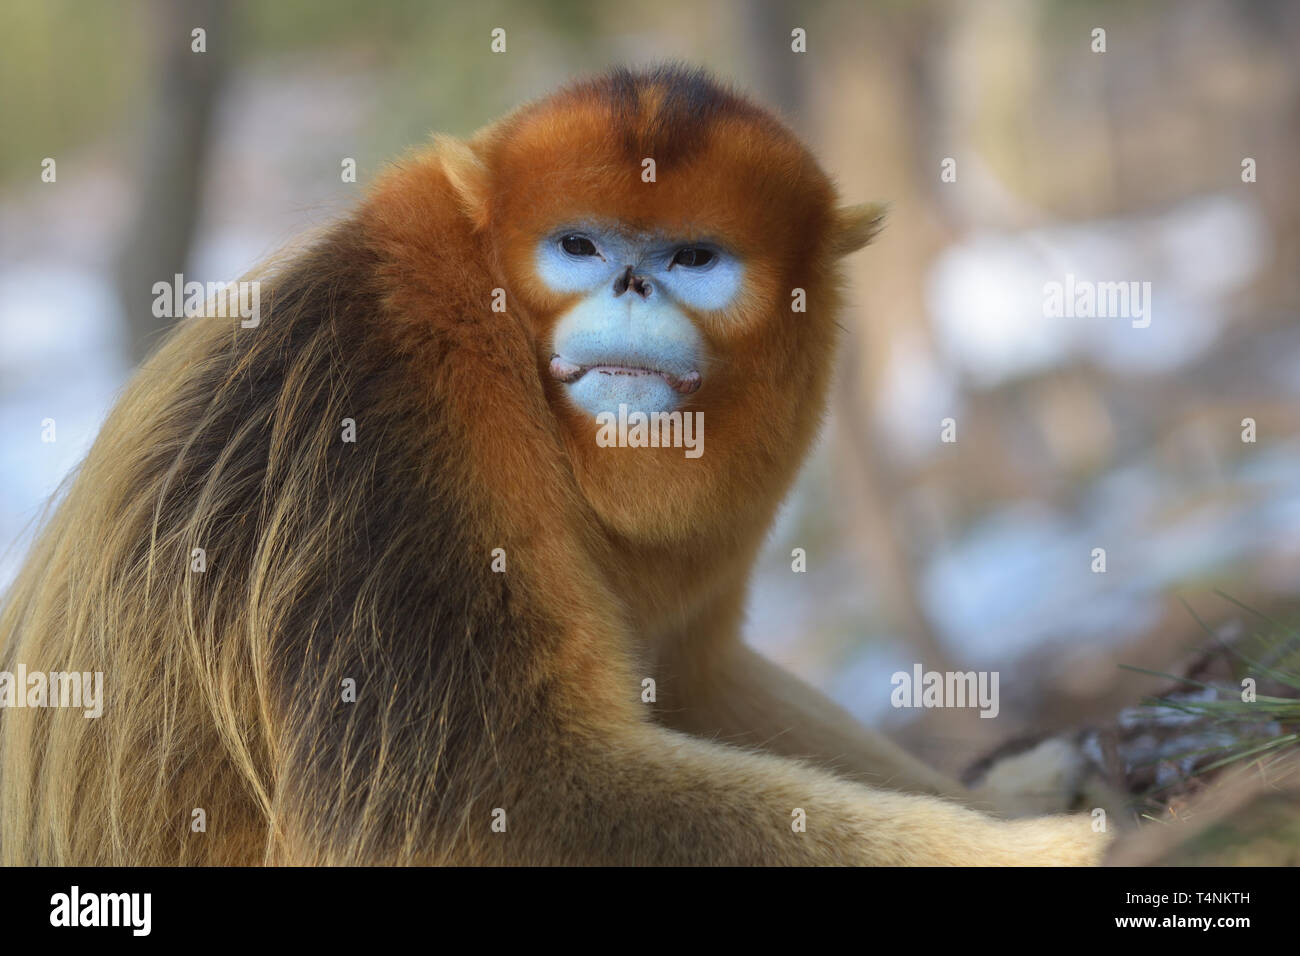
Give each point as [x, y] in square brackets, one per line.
[578, 246]
[693, 257]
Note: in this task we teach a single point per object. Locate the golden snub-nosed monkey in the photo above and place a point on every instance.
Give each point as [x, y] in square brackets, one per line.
[425, 641]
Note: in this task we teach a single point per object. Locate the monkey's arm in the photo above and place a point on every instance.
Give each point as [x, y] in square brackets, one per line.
[737, 696]
[659, 797]
[666, 798]
[644, 795]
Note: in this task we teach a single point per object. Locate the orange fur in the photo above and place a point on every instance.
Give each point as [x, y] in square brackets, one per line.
[371, 561]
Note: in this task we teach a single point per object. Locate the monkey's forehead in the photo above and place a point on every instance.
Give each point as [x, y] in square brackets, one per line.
[664, 110]
[733, 173]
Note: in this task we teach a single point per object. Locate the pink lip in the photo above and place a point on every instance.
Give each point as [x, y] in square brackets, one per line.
[567, 372]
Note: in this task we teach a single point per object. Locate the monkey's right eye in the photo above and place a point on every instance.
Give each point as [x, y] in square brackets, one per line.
[578, 246]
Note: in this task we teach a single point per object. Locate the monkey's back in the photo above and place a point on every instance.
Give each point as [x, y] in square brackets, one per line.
[345, 608]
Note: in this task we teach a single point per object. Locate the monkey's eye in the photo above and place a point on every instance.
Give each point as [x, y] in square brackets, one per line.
[578, 246]
[693, 257]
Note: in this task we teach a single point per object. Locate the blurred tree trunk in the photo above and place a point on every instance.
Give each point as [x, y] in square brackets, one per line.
[764, 45]
[169, 156]
[782, 82]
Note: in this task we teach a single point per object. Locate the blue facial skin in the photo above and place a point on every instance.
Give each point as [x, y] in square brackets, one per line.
[629, 326]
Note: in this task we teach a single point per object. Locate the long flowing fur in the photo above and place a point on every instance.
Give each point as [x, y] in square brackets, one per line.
[327, 561]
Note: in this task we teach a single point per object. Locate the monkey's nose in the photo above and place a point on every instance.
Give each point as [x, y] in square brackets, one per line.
[628, 279]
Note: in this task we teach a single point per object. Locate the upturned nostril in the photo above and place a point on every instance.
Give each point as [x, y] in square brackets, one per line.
[642, 287]
[622, 282]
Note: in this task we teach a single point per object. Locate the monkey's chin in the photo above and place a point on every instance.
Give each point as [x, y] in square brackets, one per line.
[599, 391]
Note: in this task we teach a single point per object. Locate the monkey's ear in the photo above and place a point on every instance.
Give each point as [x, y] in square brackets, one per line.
[468, 176]
[855, 226]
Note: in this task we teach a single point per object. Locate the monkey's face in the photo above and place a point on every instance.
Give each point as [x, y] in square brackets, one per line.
[629, 339]
[674, 250]
[655, 249]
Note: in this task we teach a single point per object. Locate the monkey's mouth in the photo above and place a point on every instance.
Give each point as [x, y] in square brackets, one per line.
[567, 373]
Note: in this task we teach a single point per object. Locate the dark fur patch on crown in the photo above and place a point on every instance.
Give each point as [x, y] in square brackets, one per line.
[690, 101]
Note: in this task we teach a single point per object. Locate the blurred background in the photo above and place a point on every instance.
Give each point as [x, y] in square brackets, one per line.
[1072, 433]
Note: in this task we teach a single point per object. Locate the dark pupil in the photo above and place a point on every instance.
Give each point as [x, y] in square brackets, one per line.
[693, 257]
[578, 246]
